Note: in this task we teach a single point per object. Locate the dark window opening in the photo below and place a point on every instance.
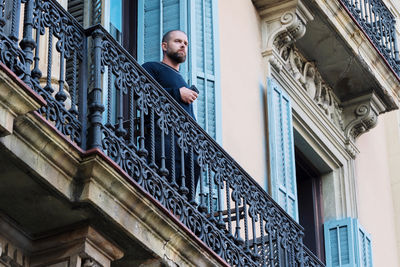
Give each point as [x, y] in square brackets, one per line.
[309, 195]
[130, 26]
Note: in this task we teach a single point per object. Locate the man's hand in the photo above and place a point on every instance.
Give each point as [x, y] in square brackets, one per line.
[187, 95]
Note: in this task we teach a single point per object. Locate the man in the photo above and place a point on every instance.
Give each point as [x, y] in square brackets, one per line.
[174, 46]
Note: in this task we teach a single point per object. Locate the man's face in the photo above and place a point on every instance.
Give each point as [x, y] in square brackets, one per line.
[176, 47]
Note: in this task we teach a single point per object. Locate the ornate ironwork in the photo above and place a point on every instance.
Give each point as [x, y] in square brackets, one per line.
[49, 17]
[379, 24]
[149, 136]
[10, 53]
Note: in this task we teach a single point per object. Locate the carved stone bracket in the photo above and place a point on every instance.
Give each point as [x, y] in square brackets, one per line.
[283, 22]
[81, 247]
[361, 115]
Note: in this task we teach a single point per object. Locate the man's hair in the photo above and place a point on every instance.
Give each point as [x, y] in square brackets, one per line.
[167, 35]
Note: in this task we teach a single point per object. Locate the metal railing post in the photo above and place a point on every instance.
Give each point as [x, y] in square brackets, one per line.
[28, 43]
[96, 107]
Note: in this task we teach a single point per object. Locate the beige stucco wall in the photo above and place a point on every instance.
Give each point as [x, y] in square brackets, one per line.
[242, 85]
[375, 198]
[392, 128]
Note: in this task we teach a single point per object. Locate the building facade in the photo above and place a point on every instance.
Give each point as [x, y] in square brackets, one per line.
[296, 134]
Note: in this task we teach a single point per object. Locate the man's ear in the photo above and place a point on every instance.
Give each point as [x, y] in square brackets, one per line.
[164, 46]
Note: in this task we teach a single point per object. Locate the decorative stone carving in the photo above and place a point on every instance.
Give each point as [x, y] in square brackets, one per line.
[306, 73]
[361, 115]
[282, 25]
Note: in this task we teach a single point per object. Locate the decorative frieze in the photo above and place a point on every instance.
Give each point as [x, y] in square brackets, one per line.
[353, 117]
[307, 75]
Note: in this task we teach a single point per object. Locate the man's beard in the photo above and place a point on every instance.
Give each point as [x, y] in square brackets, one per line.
[177, 56]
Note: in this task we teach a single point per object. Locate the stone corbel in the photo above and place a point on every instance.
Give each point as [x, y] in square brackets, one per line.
[360, 115]
[80, 247]
[283, 22]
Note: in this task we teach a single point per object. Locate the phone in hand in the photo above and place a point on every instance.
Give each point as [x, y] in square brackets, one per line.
[194, 88]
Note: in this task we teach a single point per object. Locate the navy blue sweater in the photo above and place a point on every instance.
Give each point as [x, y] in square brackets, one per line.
[171, 80]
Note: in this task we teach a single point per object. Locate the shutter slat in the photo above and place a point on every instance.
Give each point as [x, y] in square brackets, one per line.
[283, 177]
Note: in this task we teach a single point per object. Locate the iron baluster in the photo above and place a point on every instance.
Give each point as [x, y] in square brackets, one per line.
[391, 48]
[16, 10]
[83, 93]
[253, 225]
[192, 197]
[74, 84]
[48, 86]
[36, 73]
[109, 96]
[120, 132]
[221, 224]
[173, 174]
[271, 249]
[262, 248]
[246, 228]
[152, 141]
[202, 206]
[28, 44]
[210, 194]
[132, 117]
[228, 205]
[96, 107]
[61, 95]
[183, 189]
[142, 152]
[163, 171]
[238, 239]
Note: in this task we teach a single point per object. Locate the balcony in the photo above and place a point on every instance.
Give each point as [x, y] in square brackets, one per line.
[81, 112]
[378, 23]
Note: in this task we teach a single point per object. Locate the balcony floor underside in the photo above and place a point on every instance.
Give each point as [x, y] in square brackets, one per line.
[38, 211]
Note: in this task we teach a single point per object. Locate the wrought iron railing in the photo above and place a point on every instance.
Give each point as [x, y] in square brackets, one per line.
[107, 101]
[380, 26]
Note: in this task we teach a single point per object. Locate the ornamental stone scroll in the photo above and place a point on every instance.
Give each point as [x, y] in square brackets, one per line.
[283, 23]
[361, 115]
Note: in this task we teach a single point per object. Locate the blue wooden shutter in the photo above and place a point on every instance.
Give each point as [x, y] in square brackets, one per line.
[281, 148]
[363, 246]
[339, 243]
[203, 62]
[347, 244]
